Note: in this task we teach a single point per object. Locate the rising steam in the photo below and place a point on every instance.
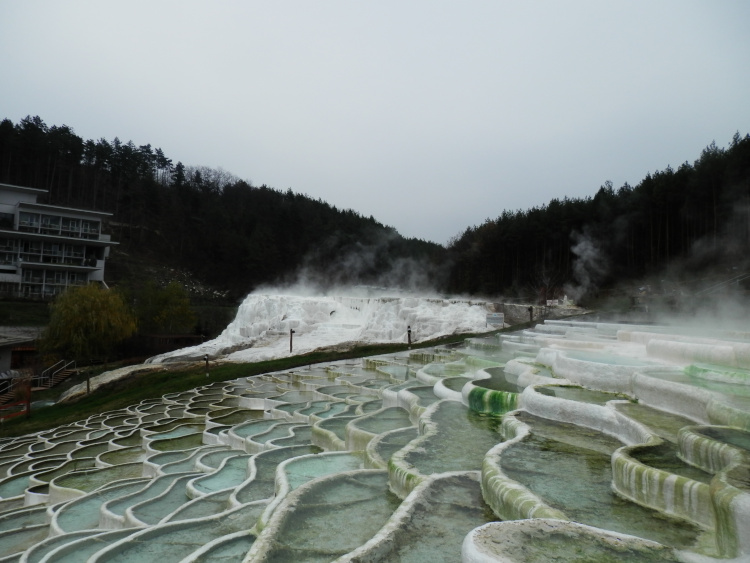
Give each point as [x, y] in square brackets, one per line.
[375, 263]
[590, 265]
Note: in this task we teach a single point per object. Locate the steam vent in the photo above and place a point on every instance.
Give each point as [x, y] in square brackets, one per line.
[571, 441]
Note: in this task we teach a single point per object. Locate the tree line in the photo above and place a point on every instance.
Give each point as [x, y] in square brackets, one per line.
[227, 232]
[237, 236]
[683, 223]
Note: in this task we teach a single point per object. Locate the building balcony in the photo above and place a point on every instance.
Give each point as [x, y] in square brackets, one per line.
[88, 234]
[85, 265]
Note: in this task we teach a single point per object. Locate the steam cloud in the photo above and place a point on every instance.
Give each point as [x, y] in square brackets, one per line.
[709, 285]
[590, 265]
[372, 263]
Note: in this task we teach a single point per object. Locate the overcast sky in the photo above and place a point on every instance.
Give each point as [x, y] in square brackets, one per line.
[429, 115]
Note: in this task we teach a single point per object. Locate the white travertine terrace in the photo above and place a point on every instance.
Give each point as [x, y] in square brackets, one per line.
[389, 459]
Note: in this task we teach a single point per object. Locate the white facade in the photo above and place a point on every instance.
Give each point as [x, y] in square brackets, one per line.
[45, 248]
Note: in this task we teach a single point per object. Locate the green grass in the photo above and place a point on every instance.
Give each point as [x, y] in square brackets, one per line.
[136, 388]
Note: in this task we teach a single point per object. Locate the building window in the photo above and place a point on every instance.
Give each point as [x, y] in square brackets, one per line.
[90, 229]
[50, 224]
[75, 278]
[6, 221]
[69, 226]
[28, 221]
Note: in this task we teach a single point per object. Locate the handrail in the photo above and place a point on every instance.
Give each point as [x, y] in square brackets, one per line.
[46, 378]
[12, 413]
[44, 373]
[735, 279]
[66, 366]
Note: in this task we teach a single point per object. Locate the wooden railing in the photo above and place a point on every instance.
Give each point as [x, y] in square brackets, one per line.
[48, 375]
[11, 410]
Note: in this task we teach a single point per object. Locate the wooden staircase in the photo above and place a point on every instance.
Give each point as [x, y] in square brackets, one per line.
[61, 376]
[9, 392]
[55, 374]
[7, 397]
[10, 395]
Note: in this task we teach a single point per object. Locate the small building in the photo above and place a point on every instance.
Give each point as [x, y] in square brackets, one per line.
[46, 248]
[18, 353]
[17, 347]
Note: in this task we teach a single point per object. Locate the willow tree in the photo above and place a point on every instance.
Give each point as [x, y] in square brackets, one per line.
[87, 322]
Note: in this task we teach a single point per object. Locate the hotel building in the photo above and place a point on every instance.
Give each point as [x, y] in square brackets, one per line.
[46, 248]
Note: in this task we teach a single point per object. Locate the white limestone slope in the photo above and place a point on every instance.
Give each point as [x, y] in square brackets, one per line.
[261, 329]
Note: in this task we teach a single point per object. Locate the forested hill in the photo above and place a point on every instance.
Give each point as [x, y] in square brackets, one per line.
[220, 228]
[690, 224]
[688, 227]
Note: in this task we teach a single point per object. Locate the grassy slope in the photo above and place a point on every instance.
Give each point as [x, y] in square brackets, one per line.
[134, 389]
